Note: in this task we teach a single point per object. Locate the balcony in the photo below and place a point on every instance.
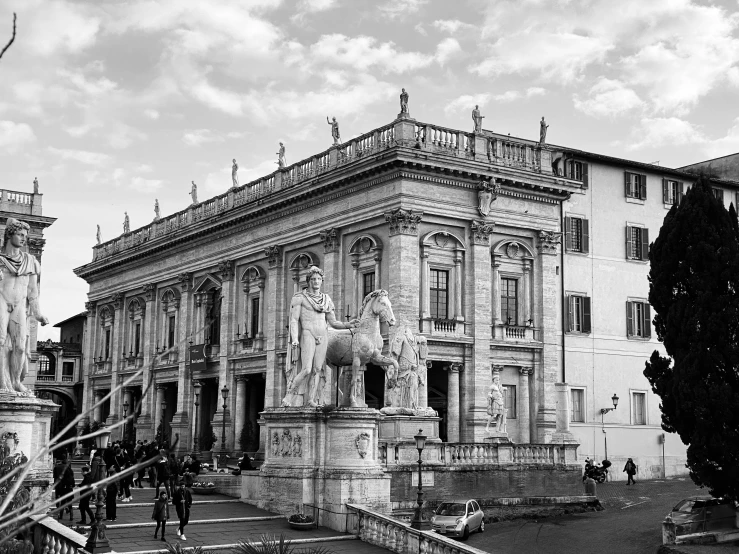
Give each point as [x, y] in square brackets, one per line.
[441, 327]
[56, 379]
[516, 333]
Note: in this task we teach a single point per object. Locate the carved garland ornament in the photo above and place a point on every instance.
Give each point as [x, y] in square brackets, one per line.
[286, 444]
[363, 442]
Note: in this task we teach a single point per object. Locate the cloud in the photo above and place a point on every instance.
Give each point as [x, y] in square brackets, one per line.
[363, 52]
[90, 87]
[123, 136]
[608, 98]
[151, 114]
[60, 26]
[13, 136]
[420, 29]
[656, 132]
[451, 26]
[200, 136]
[400, 9]
[306, 7]
[728, 144]
[467, 102]
[140, 184]
[447, 49]
[81, 156]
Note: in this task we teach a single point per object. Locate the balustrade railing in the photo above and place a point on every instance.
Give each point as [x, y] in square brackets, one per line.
[67, 378]
[51, 537]
[19, 198]
[539, 454]
[470, 454]
[445, 325]
[45, 378]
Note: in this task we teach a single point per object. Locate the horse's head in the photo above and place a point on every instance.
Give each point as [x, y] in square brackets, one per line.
[378, 304]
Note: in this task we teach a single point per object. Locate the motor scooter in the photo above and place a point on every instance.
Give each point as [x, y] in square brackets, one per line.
[597, 473]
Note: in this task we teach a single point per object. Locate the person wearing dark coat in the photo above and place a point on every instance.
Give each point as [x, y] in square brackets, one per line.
[163, 473]
[182, 500]
[111, 498]
[63, 484]
[630, 469]
[85, 496]
[161, 514]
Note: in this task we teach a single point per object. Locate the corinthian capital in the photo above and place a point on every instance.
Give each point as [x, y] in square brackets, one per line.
[330, 239]
[274, 256]
[548, 242]
[480, 231]
[403, 222]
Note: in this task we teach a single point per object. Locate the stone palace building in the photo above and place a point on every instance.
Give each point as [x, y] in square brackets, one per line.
[509, 255]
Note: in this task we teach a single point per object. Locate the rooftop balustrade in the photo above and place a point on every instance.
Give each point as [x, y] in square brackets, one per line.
[20, 202]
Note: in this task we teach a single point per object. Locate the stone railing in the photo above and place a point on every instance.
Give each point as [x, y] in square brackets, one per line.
[51, 537]
[397, 536]
[515, 333]
[442, 140]
[20, 202]
[515, 153]
[470, 453]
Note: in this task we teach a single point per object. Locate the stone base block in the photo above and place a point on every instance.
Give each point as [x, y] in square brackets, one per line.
[402, 428]
[497, 438]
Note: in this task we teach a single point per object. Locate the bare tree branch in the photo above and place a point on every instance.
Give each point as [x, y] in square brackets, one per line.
[11, 38]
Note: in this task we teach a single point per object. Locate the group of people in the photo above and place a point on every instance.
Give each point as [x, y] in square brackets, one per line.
[165, 471]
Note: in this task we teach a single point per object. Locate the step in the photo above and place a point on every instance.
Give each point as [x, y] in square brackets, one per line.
[327, 543]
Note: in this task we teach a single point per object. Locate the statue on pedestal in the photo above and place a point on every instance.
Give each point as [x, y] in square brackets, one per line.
[281, 156]
[477, 119]
[156, 209]
[311, 311]
[97, 234]
[334, 129]
[194, 193]
[19, 300]
[403, 102]
[496, 407]
[234, 174]
[35, 185]
[126, 223]
[543, 131]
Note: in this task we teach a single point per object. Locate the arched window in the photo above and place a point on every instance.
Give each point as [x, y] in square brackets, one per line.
[46, 365]
[442, 310]
[366, 255]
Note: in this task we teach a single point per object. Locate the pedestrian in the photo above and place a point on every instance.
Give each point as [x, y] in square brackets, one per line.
[85, 495]
[630, 469]
[111, 497]
[175, 469]
[161, 514]
[163, 473]
[182, 500]
[122, 461]
[63, 484]
[140, 459]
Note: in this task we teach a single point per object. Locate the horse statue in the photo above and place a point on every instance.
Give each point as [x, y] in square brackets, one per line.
[362, 345]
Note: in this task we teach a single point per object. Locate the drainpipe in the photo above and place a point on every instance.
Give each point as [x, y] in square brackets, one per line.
[562, 280]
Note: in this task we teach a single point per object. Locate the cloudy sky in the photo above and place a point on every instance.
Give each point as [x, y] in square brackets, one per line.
[112, 104]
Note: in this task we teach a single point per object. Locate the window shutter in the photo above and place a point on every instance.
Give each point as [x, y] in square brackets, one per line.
[626, 184]
[647, 321]
[629, 243]
[645, 244]
[570, 315]
[586, 314]
[629, 319]
[568, 233]
[679, 192]
[736, 202]
[643, 187]
[585, 175]
[665, 195]
[585, 236]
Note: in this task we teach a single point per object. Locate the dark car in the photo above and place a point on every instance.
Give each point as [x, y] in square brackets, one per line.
[698, 514]
[458, 518]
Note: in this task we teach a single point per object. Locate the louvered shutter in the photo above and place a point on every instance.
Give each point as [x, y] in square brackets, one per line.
[665, 192]
[629, 319]
[568, 233]
[629, 243]
[585, 236]
[570, 314]
[645, 244]
[643, 187]
[647, 321]
[679, 195]
[627, 177]
[584, 175]
[586, 314]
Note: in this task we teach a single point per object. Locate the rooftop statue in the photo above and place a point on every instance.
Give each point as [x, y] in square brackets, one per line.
[235, 174]
[19, 300]
[126, 224]
[477, 119]
[97, 234]
[403, 102]
[194, 193]
[281, 157]
[156, 209]
[311, 311]
[334, 129]
[35, 185]
[543, 131]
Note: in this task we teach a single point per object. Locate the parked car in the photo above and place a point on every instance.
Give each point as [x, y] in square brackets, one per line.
[698, 514]
[458, 518]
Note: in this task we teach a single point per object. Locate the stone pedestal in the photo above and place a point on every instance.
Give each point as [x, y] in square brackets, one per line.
[321, 460]
[402, 428]
[497, 438]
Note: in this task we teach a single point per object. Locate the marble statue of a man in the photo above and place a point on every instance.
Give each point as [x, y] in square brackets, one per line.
[281, 156]
[235, 174]
[19, 299]
[543, 131]
[126, 223]
[194, 193]
[311, 311]
[98, 236]
[334, 129]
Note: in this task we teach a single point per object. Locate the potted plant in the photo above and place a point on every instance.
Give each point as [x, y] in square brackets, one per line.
[301, 521]
[202, 487]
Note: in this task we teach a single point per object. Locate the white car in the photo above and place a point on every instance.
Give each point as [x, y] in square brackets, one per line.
[458, 518]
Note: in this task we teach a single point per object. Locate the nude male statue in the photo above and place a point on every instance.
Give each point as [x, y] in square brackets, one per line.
[19, 274]
[310, 313]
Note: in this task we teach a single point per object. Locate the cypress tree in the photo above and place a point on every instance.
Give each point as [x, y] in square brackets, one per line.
[694, 290]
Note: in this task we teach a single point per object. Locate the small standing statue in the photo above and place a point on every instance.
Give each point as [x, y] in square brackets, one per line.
[403, 102]
[35, 185]
[281, 157]
[235, 174]
[126, 224]
[97, 235]
[496, 409]
[543, 131]
[156, 209]
[334, 129]
[194, 193]
[477, 119]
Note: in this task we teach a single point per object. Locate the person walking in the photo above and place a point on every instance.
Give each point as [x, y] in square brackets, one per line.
[175, 468]
[163, 473]
[630, 469]
[63, 484]
[182, 500]
[161, 514]
[87, 481]
[111, 497]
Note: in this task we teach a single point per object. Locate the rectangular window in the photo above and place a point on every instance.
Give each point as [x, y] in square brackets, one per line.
[368, 283]
[577, 171]
[43, 365]
[672, 191]
[719, 194]
[107, 344]
[439, 294]
[639, 405]
[577, 405]
[635, 185]
[579, 313]
[254, 317]
[577, 234]
[137, 339]
[67, 368]
[510, 400]
[638, 319]
[637, 243]
[509, 301]
[171, 331]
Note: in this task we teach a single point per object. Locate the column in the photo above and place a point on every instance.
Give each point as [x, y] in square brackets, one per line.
[144, 428]
[357, 292]
[260, 333]
[253, 410]
[97, 413]
[453, 408]
[332, 285]
[425, 296]
[378, 259]
[526, 291]
[496, 293]
[158, 406]
[196, 387]
[180, 419]
[458, 312]
[524, 409]
[274, 387]
[119, 325]
[88, 357]
[228, 326]
[477, 378]
[403, 264]
[240, 410]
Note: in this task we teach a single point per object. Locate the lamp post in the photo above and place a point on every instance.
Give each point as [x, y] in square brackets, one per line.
[164, 424]
[223, 456]
[418, 521]
[97, 542]
[604, 411]
[196, 388]
[125, 424]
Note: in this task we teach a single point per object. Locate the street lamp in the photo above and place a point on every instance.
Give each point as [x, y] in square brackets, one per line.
[196, 388]
[223, 456]
[604, 411]
[125, 424]
[418, 521]
[97, 542]
[164, 423]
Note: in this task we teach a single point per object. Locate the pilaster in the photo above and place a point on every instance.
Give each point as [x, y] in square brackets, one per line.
[181, 419]
[453, 406]
[116, 356]
[88, 353]
[524, 411]
[228, 307]
[274, 332]
[403, 264]
[331, 239]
